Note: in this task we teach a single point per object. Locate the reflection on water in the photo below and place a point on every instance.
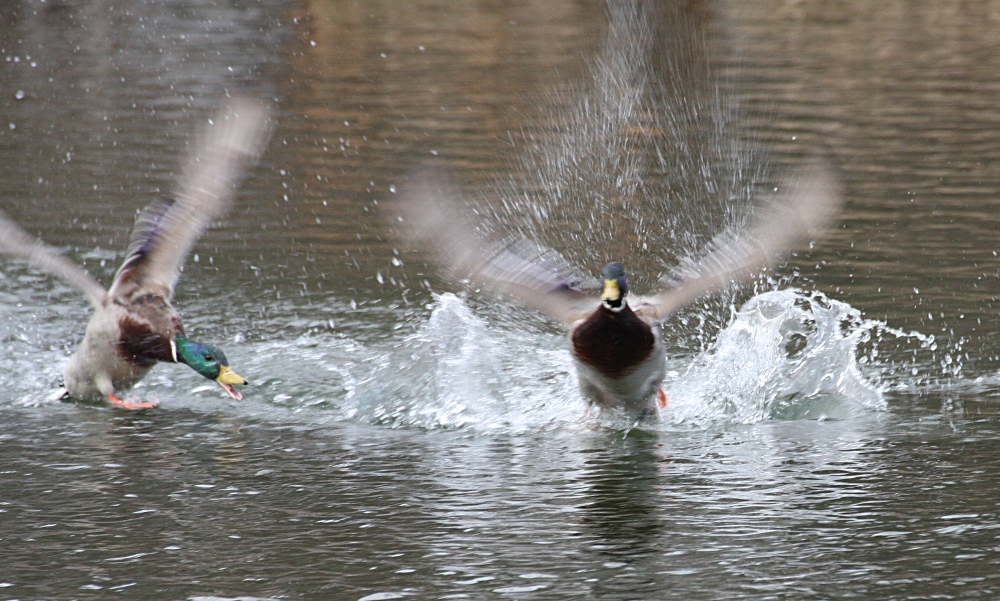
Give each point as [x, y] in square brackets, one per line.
[156, 504]
[403, 438]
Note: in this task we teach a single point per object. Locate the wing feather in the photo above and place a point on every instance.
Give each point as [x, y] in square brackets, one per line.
[17, 243]
[810, 202]
[536, 276]
[166, 231]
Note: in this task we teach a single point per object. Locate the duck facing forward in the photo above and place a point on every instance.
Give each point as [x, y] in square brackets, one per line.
[616, 341]
[619, 353]
[134, 326]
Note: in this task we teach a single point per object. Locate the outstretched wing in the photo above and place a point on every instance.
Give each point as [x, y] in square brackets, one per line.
[18, 244]
[809, 203]
[166, 231]
[536, 276]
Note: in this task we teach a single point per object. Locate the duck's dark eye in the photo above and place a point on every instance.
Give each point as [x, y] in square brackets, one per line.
[209, 358]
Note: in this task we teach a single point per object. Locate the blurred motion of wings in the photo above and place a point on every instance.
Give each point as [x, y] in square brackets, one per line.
[17, 243]
[166, 231]
[536, 276]
[542, 280]
[808, 204]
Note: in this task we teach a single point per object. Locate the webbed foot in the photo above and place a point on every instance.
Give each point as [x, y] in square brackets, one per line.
[661, 399]
[131, 403]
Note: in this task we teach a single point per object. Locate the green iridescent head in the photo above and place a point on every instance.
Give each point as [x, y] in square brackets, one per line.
[210, 362]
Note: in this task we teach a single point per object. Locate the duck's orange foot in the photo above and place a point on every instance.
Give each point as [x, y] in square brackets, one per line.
[661, 399]
[131, 403]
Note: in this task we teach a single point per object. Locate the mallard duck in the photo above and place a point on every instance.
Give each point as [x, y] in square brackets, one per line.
[134, 326]
[615, 339]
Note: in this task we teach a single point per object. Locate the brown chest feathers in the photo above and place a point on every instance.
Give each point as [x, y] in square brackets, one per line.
[146, 331]
[613, 342]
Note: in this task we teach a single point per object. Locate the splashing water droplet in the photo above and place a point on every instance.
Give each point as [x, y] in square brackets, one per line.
[790, 354]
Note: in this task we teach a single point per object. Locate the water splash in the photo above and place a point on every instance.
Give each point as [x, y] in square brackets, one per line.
[456, 372]
[439, 378]
[788, 354]
[646, 158]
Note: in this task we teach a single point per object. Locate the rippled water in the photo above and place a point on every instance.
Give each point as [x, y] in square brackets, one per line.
[831, 426]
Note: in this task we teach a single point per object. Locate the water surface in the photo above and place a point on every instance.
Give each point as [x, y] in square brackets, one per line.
[832, 424]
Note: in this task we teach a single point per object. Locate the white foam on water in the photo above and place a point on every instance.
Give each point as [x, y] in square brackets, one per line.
[456, 372]
[786, 355]
[789, 354]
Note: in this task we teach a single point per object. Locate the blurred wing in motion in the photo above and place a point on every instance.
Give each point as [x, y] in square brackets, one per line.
[536, 276]
[19, 244]
[166, 231]
[810, 202]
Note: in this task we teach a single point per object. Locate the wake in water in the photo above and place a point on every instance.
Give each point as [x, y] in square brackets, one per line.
[455, 371]
[788, 354]
[785, 355]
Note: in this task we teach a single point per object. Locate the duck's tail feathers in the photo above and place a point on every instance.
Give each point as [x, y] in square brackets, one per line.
[18, 244]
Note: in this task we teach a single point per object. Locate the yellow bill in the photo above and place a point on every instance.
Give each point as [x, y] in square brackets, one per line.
[611, 291]
[227, 378]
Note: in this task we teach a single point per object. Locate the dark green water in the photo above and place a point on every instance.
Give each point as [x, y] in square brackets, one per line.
[397, 443]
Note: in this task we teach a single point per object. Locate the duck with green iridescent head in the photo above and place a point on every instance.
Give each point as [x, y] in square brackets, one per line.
[134, 326]
[616, 340]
